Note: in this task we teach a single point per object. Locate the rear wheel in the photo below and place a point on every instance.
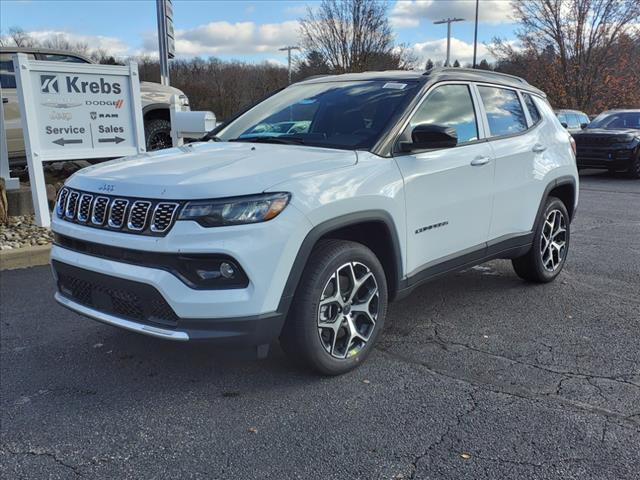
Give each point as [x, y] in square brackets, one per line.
[550, 246]
[339, 308]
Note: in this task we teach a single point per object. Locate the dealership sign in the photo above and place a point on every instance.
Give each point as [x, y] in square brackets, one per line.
[76, 111]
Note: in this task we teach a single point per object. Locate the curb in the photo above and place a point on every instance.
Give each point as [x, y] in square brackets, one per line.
[25, 257]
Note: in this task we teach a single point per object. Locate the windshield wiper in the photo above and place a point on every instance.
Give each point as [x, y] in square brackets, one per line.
[210, 137]
[272, 139]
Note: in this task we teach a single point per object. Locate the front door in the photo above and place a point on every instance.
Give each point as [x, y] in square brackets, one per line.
[448, 192]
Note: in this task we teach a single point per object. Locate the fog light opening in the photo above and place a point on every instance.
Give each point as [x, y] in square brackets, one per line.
[227, 270]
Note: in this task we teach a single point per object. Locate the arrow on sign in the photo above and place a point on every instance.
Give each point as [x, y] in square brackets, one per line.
[112, 140]
[63, 141]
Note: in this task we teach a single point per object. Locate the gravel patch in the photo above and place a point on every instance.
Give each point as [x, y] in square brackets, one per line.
[23, 232]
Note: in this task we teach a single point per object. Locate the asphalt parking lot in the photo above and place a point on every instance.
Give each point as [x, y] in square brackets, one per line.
[478, 375]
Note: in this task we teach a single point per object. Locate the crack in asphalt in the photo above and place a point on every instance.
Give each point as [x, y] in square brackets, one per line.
[520, 392]
[586, 376]
[40, 453]
[523, 463]
[445, 434]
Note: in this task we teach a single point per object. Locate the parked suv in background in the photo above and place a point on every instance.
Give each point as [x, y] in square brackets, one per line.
[304, 216]
[155, 101]
[611, 141]
[573, 120]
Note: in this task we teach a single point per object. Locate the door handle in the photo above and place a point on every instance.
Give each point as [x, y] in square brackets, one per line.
[537, 148]
[479, 161]
[5, 100]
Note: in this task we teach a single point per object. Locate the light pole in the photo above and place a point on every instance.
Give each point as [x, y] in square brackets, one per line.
[475, 36]
[448, 21]
[288, 50]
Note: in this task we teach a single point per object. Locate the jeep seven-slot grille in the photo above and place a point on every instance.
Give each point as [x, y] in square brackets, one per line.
[131, 215]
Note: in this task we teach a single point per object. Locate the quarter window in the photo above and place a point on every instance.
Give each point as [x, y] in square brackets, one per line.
[504, 111]
[531, 107]
[449, 106]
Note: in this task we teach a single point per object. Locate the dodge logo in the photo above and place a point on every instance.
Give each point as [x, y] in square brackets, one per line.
[49, 84]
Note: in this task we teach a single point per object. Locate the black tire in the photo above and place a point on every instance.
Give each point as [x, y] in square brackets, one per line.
[157, 134]
[531, 266]
[634, 168]
[304, 340]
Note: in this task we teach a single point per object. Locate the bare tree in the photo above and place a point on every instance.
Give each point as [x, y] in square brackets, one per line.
[351, 35]
[17, 37]
[580, 34]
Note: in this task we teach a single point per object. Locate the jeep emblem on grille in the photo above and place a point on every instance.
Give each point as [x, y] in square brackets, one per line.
[107, 187]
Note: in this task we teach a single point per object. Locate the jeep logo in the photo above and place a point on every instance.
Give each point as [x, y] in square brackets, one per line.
[49, 84]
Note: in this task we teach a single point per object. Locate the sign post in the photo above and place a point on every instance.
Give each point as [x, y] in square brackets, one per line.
[72, 111]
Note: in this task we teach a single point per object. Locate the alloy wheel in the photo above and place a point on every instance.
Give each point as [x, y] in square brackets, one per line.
[553, 241]
[348, 310]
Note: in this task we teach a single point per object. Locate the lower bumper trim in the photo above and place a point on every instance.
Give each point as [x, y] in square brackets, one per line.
[120, 322]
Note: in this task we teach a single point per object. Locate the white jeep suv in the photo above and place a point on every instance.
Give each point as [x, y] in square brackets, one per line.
[304, 216]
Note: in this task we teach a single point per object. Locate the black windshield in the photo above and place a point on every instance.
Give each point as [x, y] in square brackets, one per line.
[350, 115]
[616, 120]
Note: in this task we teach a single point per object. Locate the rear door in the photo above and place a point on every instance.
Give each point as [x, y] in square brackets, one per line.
[448, 191]
[516, 149]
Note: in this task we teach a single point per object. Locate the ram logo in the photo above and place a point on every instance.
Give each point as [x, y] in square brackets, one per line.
[49, 84]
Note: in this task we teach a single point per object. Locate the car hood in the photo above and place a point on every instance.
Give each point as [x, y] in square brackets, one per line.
[208, 170]
[152, 87]
[608, 132]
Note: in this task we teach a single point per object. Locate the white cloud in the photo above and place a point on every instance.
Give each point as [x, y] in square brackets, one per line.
[462, 51]
[114, 46]
[296, 10]
[408, 13]
[239, 38]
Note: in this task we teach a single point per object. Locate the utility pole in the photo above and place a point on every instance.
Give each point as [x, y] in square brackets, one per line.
[475, 36]
[166, 42]
[448, 21]
[288, 50]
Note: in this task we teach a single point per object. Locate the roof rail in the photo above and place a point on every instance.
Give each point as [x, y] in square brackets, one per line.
[475, 70]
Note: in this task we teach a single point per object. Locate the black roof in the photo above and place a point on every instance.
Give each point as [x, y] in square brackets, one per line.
[434, 75]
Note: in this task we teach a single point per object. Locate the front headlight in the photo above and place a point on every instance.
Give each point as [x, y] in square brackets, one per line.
[235, 211]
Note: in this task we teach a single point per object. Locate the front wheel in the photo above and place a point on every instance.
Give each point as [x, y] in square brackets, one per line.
[158, 134]
[339, 308]
[550, 246]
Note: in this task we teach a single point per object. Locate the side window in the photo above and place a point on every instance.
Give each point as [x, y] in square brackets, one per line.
[51, 57]
[531, 107]
[572, 120]
[7, 76]
[504, 111]
[584, 119]
[562, 118]
[449, 106]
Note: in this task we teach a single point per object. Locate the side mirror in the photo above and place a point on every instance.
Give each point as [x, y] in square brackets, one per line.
[583, 125]
[427, 136]
[564, 124]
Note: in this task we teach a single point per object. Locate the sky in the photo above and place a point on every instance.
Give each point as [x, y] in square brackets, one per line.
[248, 30]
